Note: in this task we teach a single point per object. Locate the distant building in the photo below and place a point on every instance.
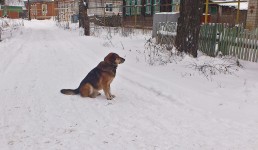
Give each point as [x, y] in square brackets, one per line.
[66, 9]
[227, 12]
[139, 13]
[12, 9]
[102, 8]
[41, 9]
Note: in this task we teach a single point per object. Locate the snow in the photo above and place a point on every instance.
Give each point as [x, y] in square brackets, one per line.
[14, 3]
[168, 107]
[243, 5]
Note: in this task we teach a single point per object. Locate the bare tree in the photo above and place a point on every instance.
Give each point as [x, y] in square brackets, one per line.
[189, 26]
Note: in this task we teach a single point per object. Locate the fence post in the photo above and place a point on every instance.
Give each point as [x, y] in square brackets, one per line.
[135, 16]
[104, 16]
[238, 12]
[206, 11]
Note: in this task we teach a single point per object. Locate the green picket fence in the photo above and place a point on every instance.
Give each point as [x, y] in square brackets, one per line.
[234, 41]
[207, 39]
[242, 44]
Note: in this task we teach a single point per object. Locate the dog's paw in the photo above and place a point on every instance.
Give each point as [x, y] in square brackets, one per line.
[109, 98]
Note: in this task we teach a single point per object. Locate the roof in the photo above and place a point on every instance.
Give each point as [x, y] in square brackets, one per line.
[14, 3]
[243, 5]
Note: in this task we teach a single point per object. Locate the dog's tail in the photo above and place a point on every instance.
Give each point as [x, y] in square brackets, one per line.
[70, 91]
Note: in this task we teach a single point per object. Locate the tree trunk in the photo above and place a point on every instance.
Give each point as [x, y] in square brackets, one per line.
[86, 23]
[83, 18]
[189, 26]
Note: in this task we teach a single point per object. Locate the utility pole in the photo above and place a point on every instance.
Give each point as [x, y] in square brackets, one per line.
[206, 11]
[238, 12]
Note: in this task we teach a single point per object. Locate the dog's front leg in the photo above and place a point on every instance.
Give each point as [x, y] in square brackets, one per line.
[113, 96]
[109, 96]
[107, 92]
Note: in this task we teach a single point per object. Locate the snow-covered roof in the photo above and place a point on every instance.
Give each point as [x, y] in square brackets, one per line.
[14, 2]
[243, 5]
[167, 13]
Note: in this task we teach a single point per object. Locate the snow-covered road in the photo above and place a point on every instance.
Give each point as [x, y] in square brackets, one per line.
[156, 107]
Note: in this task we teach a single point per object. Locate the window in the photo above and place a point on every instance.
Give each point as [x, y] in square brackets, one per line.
[148, 7]
[138, 6]
[213, 10]
[34, 9]
[44, 9]
[128, 8]
[133, 7]
[156, 6]
[175, 5]
[109, 7]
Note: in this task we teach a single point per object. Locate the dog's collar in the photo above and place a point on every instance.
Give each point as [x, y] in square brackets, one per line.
[113, 65]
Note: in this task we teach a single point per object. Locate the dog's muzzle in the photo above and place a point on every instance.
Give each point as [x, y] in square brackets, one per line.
[122, 60]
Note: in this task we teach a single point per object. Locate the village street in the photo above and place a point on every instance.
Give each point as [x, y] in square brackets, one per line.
[168, 107]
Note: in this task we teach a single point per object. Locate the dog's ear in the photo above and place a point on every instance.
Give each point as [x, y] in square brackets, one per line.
[104, 66]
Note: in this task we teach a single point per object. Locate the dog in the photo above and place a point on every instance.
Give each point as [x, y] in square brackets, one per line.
[99, 78]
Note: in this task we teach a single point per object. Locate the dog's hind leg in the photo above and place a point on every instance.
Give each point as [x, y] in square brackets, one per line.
[95, 94]
[86, 90]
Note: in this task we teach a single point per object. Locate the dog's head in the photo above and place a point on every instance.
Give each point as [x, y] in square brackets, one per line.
[113, 58]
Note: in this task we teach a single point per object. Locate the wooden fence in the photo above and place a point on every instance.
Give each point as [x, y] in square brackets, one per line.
[234, 41]
[217, 38]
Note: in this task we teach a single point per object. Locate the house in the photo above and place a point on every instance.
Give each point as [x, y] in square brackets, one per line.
[139, 13]
[13, 12]
[101, 8]
[41, 9]
[67, 9]
[12, 9]
[105, 12]
[221, 12]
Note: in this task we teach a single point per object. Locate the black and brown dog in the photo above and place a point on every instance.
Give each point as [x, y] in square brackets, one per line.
[98, 78]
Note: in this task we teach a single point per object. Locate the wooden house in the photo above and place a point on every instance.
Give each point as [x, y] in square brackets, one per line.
[227, 12]
[101, 8]
[13, 12]
[139, 13]
[12, 9]
[41, 9]
[66, 9]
